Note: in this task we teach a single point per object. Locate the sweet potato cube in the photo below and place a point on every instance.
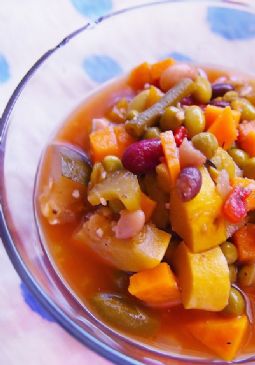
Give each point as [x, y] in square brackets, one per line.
[103, 142]
[247, 137]
[244, 239]
[156, 287]
[223, 336]
[203, 278]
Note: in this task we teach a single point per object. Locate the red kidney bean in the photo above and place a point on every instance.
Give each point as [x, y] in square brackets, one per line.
[220, 103]
[179, 134]
[189, 183]
[142, 156]
[221, 89]
[188, 100]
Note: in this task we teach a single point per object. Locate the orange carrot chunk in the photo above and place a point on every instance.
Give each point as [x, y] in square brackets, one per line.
[247, 137]
[211, 114]
[244, 239]
[171, 155]
[222, 335]
[224, 128]
[147, 205]
[109, 141]
[140, 75]
[123, 139]
[103, 142]
[158, 67]
[156, 287]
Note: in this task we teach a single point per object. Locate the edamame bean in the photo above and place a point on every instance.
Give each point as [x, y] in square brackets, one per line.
[230, 252]
[236, 303]
[206, 143]
[230, 96]
[172, 118]
[194, 120]
[245, 107]
[239, 156]
[112, 163]
[203, 90]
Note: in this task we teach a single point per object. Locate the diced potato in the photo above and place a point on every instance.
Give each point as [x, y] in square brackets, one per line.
[144, 251]
[62, 200]
[203, 277]
[122, 185]
[223, 335]
[199, 220]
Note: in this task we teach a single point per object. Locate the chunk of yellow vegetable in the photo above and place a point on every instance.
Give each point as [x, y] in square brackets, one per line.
[203, 277]
[144, 251]
[199, 221]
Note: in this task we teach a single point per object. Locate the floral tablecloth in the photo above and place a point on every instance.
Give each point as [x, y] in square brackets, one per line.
[27, 29]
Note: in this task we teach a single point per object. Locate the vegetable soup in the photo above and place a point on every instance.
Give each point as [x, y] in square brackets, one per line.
[146, 201]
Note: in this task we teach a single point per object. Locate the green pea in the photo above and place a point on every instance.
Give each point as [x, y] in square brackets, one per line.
[245, 107]
[172, 118]
[194, 120]
[203, 90]
[232, 273]
[206, 143]
[246, 275]
[230, 252]
[239, 156]
[236, 303]
[132, 114]
[230, 96]
[112, 163]
[249, 168]
[152, 132]
[98, 174]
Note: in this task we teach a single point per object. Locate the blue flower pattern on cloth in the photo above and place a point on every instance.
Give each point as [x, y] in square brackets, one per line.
[179, 56]
[4, 69]
[231, 24]
[92, 8]
[101, 68]
[33, 304]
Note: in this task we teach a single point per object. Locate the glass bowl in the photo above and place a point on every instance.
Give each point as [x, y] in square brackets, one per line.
[206, 32]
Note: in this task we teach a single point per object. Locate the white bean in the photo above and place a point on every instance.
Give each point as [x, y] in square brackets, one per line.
[129, 224]
[174, 74]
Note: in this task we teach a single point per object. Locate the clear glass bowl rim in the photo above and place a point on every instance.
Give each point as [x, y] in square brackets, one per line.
[73, 329]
